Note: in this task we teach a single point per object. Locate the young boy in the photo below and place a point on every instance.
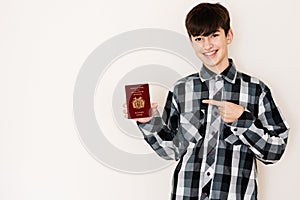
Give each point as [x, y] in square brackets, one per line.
[216, 122]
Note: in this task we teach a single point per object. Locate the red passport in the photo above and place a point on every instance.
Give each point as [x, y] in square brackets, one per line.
[138, 100]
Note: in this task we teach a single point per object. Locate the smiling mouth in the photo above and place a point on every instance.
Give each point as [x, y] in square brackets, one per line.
[211, 53]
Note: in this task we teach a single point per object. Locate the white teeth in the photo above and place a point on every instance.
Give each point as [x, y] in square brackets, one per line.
[210, 53]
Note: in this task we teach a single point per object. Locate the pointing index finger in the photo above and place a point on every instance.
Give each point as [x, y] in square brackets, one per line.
[212, 102]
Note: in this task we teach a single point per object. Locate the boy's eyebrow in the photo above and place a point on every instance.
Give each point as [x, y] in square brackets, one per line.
[207, 34]
[216, 31]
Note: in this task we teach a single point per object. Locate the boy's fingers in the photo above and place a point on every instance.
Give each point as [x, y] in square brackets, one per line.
[213, 102]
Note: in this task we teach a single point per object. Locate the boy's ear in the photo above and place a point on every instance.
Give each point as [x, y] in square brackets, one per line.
[229, 36]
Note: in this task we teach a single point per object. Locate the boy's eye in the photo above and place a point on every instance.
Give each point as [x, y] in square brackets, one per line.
[215, 35]
[198, 39]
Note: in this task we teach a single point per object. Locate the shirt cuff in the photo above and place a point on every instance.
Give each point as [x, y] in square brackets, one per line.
[154, 125]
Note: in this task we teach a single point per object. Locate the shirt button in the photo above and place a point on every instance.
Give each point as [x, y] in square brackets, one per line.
[235, 129]
[208, 173]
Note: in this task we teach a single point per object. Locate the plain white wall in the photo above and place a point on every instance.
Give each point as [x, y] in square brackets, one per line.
[43, 45]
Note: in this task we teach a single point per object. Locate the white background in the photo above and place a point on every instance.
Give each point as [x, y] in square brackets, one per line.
[43, 44]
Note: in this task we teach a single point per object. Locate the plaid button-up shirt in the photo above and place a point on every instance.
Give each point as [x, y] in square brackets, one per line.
[260, 133]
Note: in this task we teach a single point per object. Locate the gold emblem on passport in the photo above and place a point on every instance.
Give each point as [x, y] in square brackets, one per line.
[138, 103]
[138, 100]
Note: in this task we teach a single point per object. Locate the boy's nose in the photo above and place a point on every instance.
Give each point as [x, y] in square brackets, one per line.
[207, 44]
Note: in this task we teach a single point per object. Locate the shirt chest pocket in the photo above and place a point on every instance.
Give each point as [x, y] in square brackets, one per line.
[191, 125]
[230, 137]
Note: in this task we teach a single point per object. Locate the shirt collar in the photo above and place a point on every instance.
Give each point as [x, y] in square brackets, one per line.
[229, 74]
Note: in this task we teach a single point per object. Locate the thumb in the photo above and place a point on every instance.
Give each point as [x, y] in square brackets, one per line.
[154, 105]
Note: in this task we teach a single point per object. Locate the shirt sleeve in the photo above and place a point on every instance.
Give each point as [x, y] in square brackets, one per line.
[161, 132]
[266, 135]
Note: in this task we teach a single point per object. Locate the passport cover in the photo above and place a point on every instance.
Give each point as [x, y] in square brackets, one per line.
[138, 100]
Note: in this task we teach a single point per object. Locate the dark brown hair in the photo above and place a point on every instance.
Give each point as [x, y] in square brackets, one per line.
[206, 18]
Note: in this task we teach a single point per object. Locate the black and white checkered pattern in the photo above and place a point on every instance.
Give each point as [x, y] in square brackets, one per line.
[225, 168]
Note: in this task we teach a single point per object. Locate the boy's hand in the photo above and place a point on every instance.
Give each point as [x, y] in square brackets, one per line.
[153, 112]
[229, 112]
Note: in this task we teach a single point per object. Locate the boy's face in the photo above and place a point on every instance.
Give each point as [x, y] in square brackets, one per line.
[212, 49]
